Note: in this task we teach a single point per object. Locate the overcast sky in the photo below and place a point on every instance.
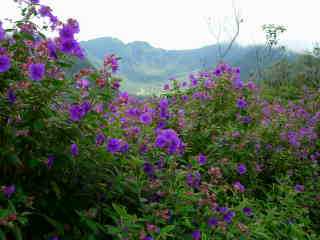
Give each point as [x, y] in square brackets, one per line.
[181, 24]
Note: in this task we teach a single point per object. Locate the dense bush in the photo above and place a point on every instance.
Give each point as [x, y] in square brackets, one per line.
[210, 159]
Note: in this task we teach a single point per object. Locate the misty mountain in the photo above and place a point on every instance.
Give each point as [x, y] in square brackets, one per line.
[144, 66]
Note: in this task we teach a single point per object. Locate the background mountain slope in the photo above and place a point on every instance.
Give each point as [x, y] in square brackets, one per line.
[147, 67]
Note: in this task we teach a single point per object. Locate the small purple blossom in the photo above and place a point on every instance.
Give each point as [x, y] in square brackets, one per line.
[50, 161]
[241, 168]
[83, 83]
[146, 118]
[239, 187]
[196, 235]
[194, 180]
[36, 71]
[148, 168]
[76, 113]
[299, 188]
[202, 159]
[148, 238]
[5, 63]
[8, 191]
[247, 211]
[74, 150]
[100, 139]
[229, 216]
[52, 49]
[45, 11]
[115, 145]
[11, 96]
[242, 103]
[213, 222]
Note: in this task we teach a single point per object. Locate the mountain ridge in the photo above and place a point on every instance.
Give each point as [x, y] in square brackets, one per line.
[145, 66]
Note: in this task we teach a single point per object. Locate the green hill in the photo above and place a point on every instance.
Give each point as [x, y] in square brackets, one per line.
[144, 66]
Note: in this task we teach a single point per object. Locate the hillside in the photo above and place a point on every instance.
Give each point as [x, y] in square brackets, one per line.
[144, 66]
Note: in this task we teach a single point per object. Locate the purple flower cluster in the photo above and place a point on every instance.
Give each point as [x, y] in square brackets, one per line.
[169, 140]
[78, 111]
[68, 44]
[115, 145]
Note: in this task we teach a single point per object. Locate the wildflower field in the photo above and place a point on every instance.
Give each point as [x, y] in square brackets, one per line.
[213, 157]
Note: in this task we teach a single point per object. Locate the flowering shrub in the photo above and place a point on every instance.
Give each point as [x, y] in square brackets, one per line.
[209, 159]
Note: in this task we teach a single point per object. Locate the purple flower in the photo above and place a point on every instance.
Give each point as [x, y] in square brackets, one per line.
[194, 80]
[76, 113]
[83, 83]
[85, 106]
[111, 61]
[11, 96]
[247, 211]
[239, 187]
[74, 150]
[68, 45]
[237, 83]
[218, 72]
[36, 71]
[299, 188]
[54, 238]
[146, 118]
[193, 180]
[52, 49]
[229, 216]
[148, 238]
[100, 139]
[114, 145]
[168, 139]
[213, 222]
[148, 169]
[35, 1]
[5, 63]
[196, 235]
[50, 161]
[241, 103]
[45, 11]
[222, 209]
[66, 32]
[8, 191]
[241, 168]
[202, 159]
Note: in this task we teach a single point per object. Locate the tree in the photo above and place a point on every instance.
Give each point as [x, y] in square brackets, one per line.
[225, 32]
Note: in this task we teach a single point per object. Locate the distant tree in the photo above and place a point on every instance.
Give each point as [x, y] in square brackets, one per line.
[225, 32]
[271, 48]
